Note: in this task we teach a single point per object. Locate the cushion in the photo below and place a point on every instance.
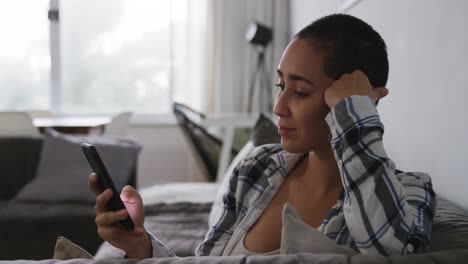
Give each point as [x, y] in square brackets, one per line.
[297, 237]
[65, 249]
[265, 132]
[449, 232]
[63, 170]
[450, 227]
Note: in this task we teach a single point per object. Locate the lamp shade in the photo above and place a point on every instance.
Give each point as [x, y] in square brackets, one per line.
[258, 34]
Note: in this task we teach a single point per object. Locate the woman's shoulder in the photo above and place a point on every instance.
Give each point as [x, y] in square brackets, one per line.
[262, 153]
[250, 178]
[257, 164]
[413, 176]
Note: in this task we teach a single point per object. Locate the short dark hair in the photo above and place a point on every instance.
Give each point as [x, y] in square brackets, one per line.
[349, 44]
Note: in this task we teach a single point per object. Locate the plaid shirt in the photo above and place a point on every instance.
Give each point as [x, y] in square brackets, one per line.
[380, 210]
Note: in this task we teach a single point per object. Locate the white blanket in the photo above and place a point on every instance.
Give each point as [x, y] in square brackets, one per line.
[194, 192]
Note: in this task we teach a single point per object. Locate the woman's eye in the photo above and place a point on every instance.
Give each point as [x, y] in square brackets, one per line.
[280, 86]
[300, 95]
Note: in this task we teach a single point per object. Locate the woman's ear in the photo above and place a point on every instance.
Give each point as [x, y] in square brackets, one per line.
[379, 93]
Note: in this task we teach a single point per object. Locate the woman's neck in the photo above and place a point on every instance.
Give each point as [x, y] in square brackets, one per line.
[320, 171]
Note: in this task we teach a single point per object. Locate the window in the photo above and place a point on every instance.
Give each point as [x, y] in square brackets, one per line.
[24, 55]
[114, 55]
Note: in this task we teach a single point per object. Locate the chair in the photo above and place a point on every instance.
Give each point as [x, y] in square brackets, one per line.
[18, 124]
[118, 126]
[205, 146]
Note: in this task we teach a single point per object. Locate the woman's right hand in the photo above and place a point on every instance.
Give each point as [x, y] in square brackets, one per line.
[135, 243]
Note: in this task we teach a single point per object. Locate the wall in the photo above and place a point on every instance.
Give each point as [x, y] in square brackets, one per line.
[424, 115]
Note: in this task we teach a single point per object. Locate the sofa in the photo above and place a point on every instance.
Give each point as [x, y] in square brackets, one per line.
[182, 222]
[44, 194]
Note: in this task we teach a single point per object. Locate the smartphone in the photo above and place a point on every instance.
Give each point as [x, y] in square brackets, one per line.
[106, 182]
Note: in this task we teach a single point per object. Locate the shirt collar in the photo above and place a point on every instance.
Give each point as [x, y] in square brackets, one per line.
[285, 161]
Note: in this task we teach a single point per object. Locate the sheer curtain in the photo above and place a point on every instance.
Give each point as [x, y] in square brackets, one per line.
[232, 60]
[188, 51]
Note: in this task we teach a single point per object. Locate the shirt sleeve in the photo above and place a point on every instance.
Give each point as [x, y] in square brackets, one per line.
[159, 249]
[221, 230]
[386, 213]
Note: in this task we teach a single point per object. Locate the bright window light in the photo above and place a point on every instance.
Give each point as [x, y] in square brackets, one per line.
[24, 55]
[107, 56]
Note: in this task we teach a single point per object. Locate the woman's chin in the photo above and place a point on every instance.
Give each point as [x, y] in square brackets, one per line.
[293, 148]
[302, 146]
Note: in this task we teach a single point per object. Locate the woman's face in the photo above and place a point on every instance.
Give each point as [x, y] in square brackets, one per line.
[300, 103]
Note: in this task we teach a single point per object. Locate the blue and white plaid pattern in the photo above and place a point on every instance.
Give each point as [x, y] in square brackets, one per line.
[379, 210]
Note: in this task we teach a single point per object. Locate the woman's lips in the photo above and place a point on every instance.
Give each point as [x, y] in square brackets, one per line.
[284, 131]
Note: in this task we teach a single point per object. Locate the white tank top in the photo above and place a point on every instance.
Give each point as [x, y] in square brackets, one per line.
[239, 249]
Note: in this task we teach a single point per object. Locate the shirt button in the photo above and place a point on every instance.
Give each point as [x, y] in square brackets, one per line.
[410, 248]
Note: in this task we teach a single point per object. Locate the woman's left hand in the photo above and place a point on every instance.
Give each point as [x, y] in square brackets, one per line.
[355, 83]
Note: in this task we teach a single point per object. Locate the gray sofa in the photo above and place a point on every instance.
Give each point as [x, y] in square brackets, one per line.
[44, 191]
[182, 226]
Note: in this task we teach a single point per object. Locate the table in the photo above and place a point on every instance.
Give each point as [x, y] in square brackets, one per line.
[72, 124]
[228, 122]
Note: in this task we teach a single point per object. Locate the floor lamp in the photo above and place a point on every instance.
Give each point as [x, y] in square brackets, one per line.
[259, 36]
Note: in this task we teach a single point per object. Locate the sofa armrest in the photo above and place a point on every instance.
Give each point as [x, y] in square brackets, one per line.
[18, 163]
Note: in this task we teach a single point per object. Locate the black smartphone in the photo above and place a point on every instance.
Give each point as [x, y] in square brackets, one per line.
[105, 181]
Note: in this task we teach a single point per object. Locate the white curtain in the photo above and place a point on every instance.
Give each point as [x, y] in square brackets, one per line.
[188, 40]
[231, 60]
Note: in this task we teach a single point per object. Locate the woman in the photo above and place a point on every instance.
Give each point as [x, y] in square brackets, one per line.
[331, 165]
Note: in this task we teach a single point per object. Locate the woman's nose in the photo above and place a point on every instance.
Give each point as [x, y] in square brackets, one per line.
[281, 106]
